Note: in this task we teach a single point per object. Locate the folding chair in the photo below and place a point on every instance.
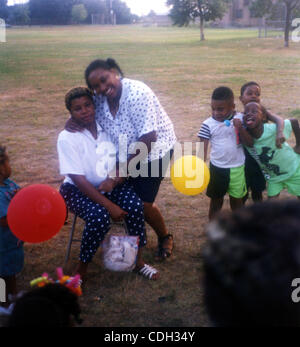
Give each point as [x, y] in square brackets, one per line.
[71, 236]
[71, 239]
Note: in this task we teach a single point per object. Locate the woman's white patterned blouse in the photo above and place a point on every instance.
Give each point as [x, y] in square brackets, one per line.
[139, 113]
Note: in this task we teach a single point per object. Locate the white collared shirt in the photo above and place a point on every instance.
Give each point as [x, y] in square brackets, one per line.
[140, 113]
[81, 154]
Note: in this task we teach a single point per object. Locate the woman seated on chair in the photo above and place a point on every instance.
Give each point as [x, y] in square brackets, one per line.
[86, 158]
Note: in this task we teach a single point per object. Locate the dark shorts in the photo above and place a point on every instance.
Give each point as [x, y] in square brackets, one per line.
[148, 187]
[226, 180]
[254, 177]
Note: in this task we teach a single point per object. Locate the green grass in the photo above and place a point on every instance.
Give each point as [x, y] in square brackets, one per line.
[39, 65]
[295, 113]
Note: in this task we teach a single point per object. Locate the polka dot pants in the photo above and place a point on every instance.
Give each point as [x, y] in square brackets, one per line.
[97, 218]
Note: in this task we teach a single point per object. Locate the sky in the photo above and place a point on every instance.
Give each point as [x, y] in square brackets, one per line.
[143, 7]
[12, 2]
[139, 7]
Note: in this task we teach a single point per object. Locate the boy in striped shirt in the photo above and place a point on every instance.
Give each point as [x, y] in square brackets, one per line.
[227, 158]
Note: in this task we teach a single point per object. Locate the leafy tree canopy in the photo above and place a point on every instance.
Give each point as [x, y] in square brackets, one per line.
[3, 9]
[184, 11]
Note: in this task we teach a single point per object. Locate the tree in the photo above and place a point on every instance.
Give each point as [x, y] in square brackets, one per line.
[3, 9]
[93, 7]
[151, 14]
[79, 13]
[51, 11]
[261, 8]
[122, 12]
[18, 14]
[185, 11]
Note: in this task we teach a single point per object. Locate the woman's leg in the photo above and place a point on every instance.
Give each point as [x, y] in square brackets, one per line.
[155, 219]
[147, 189]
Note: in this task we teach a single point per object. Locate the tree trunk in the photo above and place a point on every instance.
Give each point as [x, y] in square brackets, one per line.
[287, 23]
[202, 38]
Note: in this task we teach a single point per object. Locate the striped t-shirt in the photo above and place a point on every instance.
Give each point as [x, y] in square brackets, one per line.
[225, 152]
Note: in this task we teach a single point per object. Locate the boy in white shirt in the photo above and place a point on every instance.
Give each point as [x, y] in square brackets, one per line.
[227, 158]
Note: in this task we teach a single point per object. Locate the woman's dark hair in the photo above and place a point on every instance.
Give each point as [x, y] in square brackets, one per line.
[49, 306]
[248, 84]
[107, 64]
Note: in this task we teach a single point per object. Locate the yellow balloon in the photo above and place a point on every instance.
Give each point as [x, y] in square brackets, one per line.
[190, 175]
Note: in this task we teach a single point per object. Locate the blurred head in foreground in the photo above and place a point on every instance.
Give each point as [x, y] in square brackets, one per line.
[53, 305]
[250, 260]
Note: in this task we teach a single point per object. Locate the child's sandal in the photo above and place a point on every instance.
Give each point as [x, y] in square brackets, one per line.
[148, 272]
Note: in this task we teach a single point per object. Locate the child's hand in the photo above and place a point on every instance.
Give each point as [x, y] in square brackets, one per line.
[280, 139]
[116, 213]
[73, 127]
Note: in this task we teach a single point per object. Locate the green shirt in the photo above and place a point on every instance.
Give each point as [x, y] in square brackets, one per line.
[277, 164]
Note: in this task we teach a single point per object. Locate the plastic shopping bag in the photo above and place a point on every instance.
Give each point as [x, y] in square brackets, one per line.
[120, 252]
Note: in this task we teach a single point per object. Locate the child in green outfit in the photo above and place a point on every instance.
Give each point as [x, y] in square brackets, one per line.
[256, 183]
[280, 166]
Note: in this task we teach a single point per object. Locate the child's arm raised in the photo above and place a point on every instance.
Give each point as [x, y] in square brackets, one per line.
[245, 137]
[296, 130]
[280, 139]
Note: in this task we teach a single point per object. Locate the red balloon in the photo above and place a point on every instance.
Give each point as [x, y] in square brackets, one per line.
[36, 213]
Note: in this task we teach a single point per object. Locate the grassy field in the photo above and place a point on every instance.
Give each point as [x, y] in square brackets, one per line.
[39, 65]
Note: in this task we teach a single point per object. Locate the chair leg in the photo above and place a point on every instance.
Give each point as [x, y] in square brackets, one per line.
[70, 239]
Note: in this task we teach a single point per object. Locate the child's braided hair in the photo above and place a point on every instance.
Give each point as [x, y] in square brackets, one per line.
[3, 155]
